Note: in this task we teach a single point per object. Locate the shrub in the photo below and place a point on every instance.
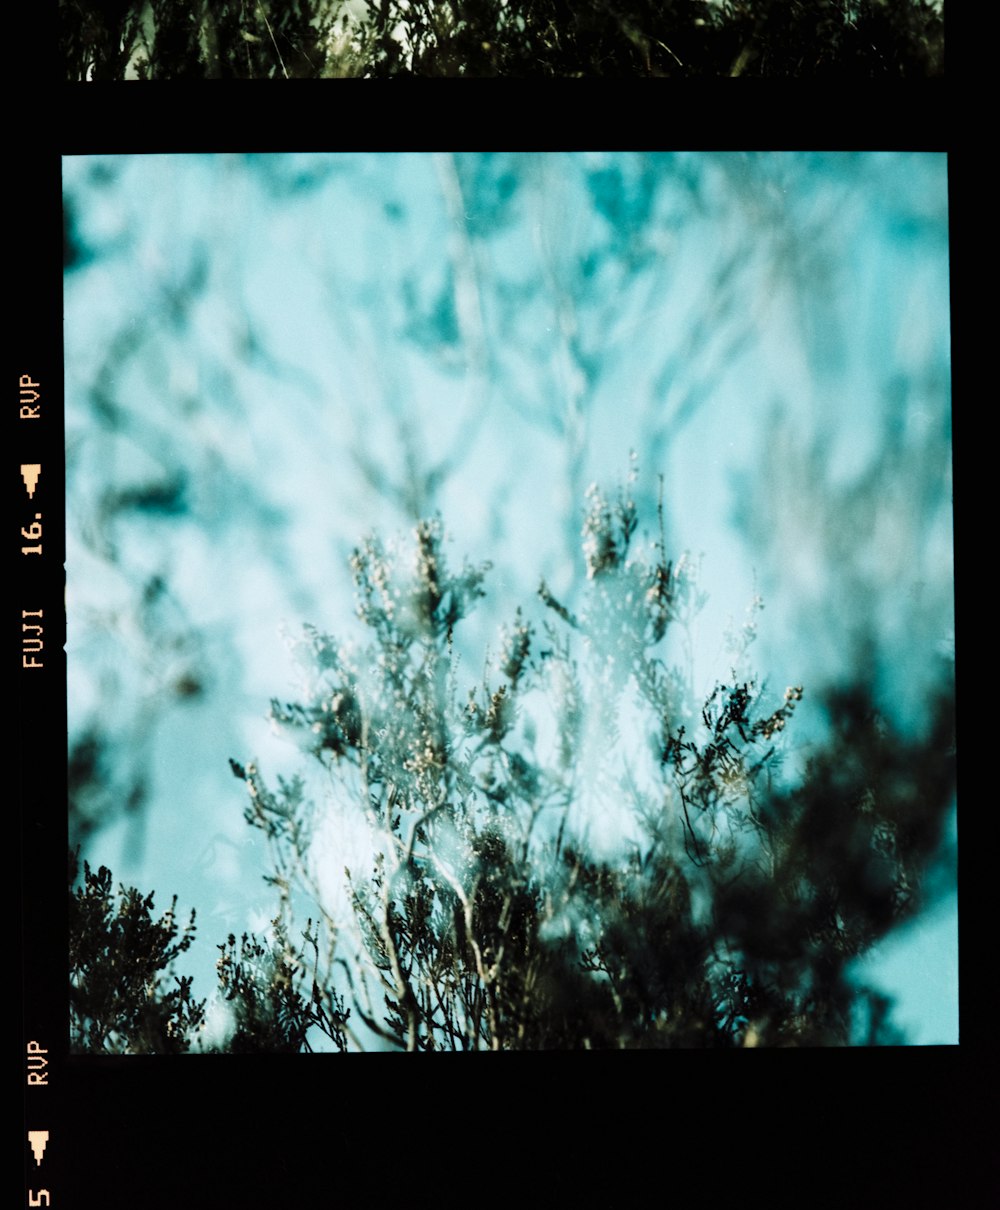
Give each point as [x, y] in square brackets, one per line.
[569, 854]
[120, 960]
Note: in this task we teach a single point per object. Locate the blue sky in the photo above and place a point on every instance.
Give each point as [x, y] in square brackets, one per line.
[278, 339]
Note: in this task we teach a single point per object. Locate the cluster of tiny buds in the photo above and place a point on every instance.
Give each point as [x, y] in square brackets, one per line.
[423, 759]
[777, 720]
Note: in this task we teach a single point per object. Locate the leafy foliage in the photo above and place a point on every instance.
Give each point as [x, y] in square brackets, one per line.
[165, 39]
[272, 1016]
[569, 854]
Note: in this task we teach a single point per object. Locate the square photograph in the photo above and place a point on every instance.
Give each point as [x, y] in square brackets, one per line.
[510, 602]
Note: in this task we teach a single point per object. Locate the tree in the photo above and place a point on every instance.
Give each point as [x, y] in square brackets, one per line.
[570, 853]
[167, 39]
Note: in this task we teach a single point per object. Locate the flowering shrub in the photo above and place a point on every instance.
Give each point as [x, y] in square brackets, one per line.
[569, 853]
